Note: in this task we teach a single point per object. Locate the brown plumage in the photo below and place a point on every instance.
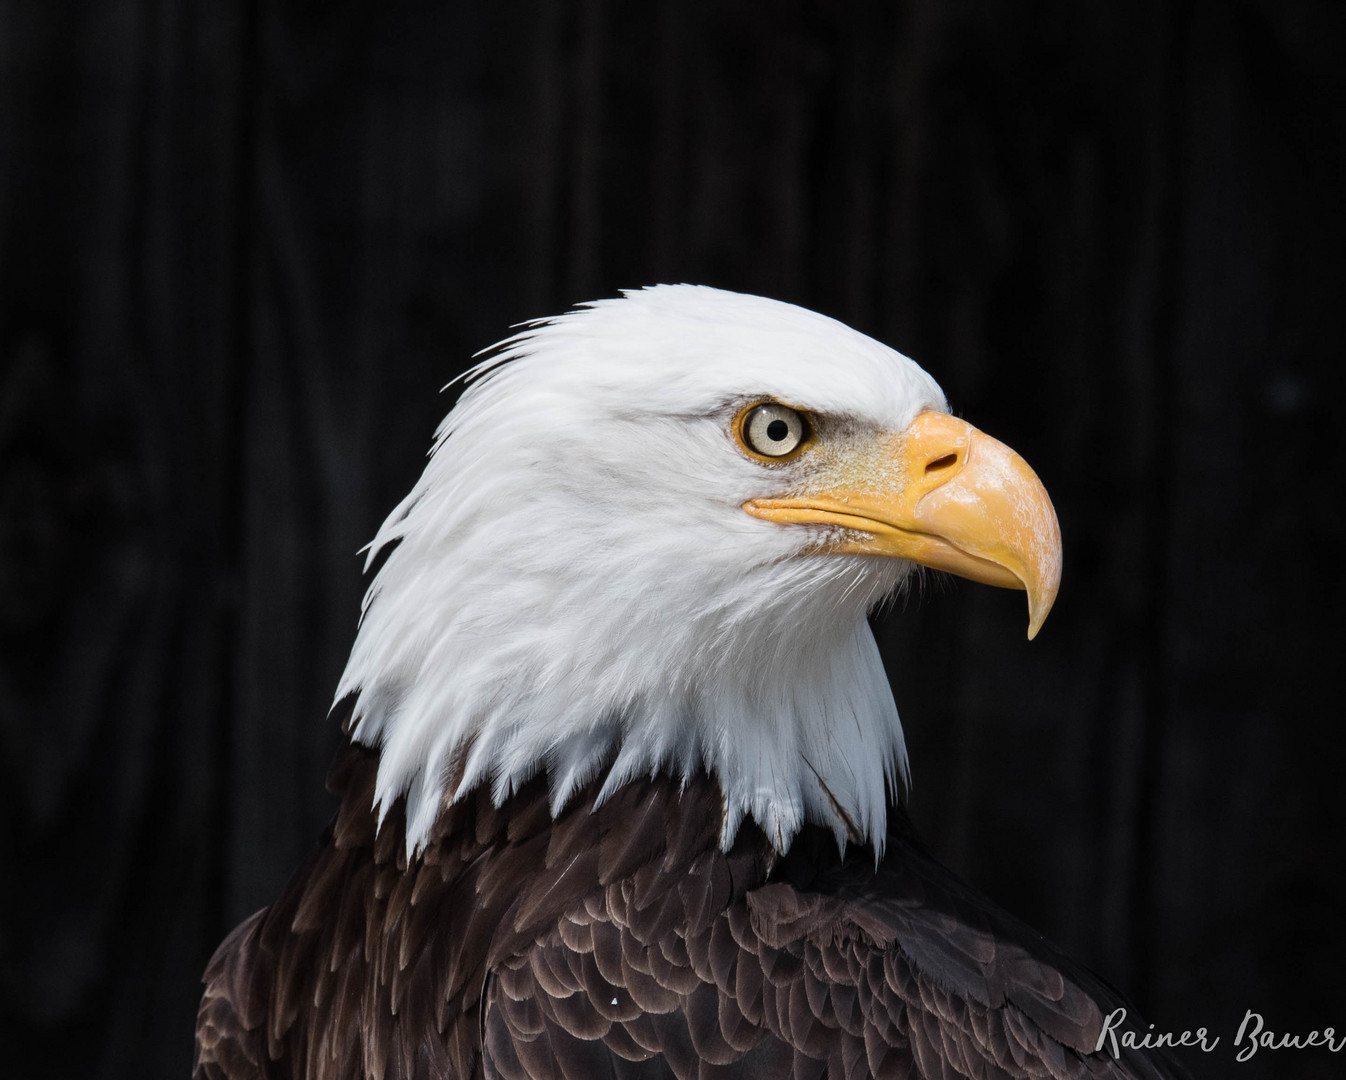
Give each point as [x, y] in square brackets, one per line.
[621, 942]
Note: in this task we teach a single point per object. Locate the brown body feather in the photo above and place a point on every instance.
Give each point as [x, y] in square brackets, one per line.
[621, 942]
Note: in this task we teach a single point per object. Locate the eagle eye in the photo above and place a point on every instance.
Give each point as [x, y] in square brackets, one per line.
[773, 431]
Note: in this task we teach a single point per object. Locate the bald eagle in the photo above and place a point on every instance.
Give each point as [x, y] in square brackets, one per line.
[623, 788]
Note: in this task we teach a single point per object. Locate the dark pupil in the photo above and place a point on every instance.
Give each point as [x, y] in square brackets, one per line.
[777, 430]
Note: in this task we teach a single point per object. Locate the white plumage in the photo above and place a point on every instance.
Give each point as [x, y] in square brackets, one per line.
[576, 582]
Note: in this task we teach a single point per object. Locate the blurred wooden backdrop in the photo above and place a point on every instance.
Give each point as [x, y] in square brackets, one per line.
[243, 244]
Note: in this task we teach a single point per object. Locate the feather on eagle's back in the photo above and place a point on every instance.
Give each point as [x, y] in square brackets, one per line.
[622, 942]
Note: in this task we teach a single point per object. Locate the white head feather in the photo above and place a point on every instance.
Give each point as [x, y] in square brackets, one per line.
[577, 587]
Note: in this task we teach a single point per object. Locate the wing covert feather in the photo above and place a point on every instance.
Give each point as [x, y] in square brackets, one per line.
[840, 971]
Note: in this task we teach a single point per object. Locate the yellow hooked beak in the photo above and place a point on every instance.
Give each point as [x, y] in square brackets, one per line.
[948, 496]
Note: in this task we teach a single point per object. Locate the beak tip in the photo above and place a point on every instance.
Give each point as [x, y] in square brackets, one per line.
[1039, 606]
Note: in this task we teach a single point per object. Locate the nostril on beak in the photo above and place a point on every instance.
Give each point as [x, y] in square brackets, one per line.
[945, 462]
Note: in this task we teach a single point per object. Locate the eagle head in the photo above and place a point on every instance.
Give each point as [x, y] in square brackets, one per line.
[646, 541]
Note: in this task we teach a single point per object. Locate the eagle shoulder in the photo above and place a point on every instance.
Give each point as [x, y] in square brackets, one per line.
[819, 967]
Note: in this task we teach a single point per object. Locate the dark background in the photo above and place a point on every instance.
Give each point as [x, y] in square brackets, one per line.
[243, 245]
